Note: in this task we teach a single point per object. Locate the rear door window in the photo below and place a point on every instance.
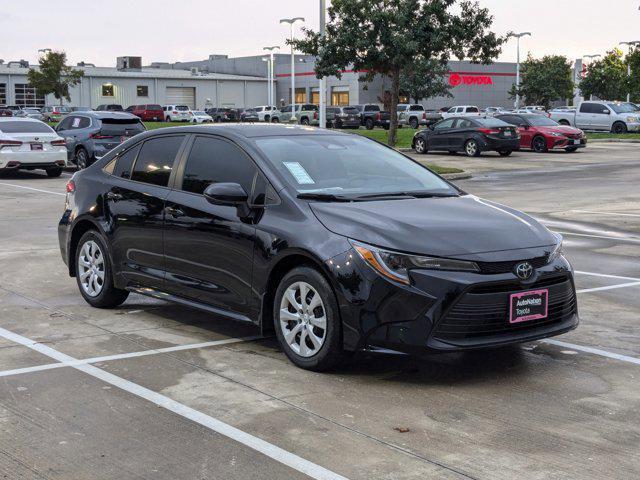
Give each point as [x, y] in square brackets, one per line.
[156, 159]
[472, 110]
[125, 162]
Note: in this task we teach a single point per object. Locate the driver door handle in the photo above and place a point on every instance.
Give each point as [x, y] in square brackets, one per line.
[174, 212]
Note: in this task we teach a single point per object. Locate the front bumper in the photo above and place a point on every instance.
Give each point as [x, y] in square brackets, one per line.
[633, 126]
[448, 311]
[560, 143]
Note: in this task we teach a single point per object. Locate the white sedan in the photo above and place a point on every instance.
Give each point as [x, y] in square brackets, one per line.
[29, 144]
[198, 116]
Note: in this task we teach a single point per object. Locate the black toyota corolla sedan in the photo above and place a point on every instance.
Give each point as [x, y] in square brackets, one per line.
[335, 241]
[469, 135]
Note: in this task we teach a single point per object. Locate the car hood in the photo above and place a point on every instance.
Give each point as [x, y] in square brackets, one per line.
[560, 129]
[445, 227]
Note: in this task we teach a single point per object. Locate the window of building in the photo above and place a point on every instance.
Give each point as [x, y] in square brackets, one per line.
[301, 95]
[107, 90]
[27, 96]
[213, 160]
[339, 96]
[3, 93]
[142, 91]
[315, 97]
[155, 162]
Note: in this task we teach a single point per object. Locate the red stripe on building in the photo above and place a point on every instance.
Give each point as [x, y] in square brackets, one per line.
[489, 74]
[306, 74]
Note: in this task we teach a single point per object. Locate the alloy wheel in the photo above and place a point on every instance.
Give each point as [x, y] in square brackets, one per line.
[471, 148]
[539, 144]
[91, 268]
[420, 146]
[303, 319]
[81, 159]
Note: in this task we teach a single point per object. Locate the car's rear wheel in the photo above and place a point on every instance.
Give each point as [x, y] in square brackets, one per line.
[619, 128]
[304, 121]
[368, 123]
[420, 145]
[82, 158]
[539, 144]
[564, 122]
[94, 273]
[168, 119]
[54, 172]
[275, 120]
[414, 123]
[307, 321]
[471, 148]
[505, 153]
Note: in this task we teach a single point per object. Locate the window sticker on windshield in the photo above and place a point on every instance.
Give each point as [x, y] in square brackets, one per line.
[76, 122]
[299, 173]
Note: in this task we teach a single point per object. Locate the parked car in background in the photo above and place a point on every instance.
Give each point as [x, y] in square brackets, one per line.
[539, 109]
[200, 116]
[563, 108]
[471, 135]
[541, 134]
[29, 144]
[55, 113]
[81, 109]
[5, 112]
[14, 108]
[493, 111]
[31, 112]
[412, 115]
[111, 107]
[305, 114]
[615, 117]
[176, 113]
[149, 112]
[462, 111]
[129, 109]
[345, 117]
[249, 115]
[223, 115]
[267, 113]
[372, 116]
[90, 135]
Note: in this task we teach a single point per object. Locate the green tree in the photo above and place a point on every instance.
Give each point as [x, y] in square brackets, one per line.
[633, 59]
[544, 80]
[606, 78]
[425, 79]
[54, 76]
[387, 37]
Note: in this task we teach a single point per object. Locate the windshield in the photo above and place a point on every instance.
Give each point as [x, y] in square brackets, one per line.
[541, 121]
[347, 166]
[182, 108]
[623, 107]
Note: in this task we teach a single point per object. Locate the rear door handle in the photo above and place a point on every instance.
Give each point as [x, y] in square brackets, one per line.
[174, 212]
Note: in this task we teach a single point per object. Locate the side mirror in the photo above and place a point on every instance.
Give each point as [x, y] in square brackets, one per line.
[606, 111]
[225, 194]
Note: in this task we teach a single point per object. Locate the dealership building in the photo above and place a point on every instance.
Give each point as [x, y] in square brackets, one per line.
[241, 82]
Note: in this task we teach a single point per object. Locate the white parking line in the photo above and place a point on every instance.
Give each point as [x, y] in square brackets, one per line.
[268, 449]
[120, 356]
[31, 188]
[618, 239]
[608, 213]
[605, 275]
[608, 287]
[594, 351]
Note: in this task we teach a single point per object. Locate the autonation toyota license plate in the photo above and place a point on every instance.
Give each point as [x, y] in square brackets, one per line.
[528, 306]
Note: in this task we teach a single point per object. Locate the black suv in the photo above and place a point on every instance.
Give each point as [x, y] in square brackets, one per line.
[296, 229]
[223, 114]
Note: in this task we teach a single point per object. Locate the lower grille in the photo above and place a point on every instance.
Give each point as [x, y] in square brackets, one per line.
[484, 311]
[506, 267]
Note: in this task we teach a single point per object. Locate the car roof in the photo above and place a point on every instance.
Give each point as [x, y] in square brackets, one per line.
[248, 130]
[99, 115]
[19, 119]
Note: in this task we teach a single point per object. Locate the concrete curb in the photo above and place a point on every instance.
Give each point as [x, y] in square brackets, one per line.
[613, 140]
[456, 176]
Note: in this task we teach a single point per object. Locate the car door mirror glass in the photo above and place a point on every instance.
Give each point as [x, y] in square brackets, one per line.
[225, 194]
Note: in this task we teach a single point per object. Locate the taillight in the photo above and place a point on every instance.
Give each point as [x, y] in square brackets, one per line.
[58, 143]
[424, 115]
[71, 186]
[488, 131]
[99, 136]
[315, 115]
[378, 116]
[10, 143]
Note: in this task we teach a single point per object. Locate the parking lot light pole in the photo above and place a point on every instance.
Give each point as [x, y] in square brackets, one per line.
[270, 81]
[323, 80]
[630, 45]
[518, 36]
[291, 21]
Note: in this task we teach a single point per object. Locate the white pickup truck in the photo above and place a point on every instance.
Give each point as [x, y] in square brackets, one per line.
[615, 117]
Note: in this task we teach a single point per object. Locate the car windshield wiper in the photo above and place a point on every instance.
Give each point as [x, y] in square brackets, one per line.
[325, 197]
[405, 195]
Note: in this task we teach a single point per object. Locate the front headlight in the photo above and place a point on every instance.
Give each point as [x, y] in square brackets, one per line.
[557, 134]
[633, 119]
[396, 266]
[557, 250]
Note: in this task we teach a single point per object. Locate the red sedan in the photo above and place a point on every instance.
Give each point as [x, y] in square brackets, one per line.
[541, 134]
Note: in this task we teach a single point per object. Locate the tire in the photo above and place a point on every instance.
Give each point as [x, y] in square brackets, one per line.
[99, 293]
[168, 119]
[505, 153]
[304, 121]
[368, 123]
[471, 148]
[420, 146]
[413, 123]
[326, 351]
[54, 172]
[539, 144]
[338, 124]
[267, 118]
[275, 120]
[619, 128]
[82, 158]
[564, 122]
[571, 149]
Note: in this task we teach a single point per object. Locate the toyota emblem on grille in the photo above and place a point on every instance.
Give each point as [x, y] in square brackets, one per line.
[524, 270]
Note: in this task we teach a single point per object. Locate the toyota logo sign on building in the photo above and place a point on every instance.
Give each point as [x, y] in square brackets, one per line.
[457, 79]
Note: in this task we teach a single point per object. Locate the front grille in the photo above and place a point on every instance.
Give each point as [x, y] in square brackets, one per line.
[506, 267]
[484, 310]
[575, 136]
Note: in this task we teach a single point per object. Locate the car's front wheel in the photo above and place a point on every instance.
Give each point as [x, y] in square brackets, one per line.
[619, 128]
[420, 146]
[94, 273]
[307, 321]
[368, 123]
[82, 158]
[539, 144]
[414, 123]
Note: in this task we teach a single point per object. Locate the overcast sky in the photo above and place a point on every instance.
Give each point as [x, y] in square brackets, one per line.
[160, 30]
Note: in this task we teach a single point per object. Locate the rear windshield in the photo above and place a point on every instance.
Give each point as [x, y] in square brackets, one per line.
[351, 110]
[154, 107]
[472, 110]
[182, 108]
[25, 127]
[117, 126]
[492, 122]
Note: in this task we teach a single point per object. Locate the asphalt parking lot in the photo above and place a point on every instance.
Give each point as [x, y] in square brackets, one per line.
[157, 391]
